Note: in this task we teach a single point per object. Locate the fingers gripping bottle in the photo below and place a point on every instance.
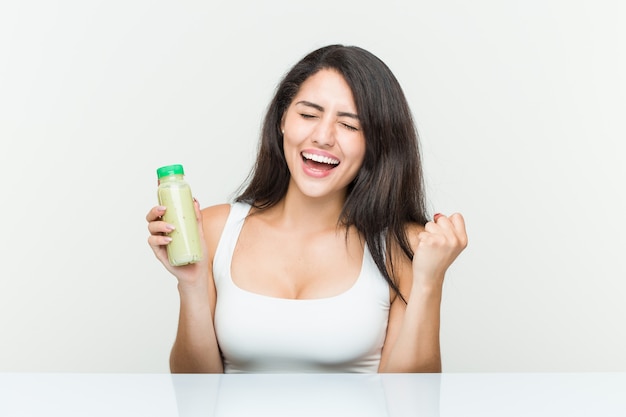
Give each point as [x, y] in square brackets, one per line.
[175, 194]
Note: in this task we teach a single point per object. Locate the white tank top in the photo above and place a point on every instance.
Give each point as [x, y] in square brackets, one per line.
[258, 333]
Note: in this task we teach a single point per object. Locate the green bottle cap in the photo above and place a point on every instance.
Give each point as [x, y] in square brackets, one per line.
[170, 170]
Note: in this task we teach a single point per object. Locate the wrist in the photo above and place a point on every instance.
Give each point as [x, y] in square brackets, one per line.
[427, 285]
[191, 288]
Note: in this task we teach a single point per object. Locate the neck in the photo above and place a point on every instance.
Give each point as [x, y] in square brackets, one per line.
[307, 213]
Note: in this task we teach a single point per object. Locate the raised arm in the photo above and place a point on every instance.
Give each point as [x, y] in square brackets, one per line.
[412, 342]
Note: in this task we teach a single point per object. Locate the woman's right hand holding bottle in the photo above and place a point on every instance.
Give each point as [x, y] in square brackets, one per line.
[188, 275]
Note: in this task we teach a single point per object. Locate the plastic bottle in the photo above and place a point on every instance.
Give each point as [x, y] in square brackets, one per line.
[175, 194]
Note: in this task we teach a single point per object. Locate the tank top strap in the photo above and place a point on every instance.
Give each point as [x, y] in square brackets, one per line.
[226, 245]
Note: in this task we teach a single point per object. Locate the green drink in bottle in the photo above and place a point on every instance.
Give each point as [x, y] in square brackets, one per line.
[175, 194]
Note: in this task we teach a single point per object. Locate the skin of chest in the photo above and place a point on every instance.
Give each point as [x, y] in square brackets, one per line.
[287, 263]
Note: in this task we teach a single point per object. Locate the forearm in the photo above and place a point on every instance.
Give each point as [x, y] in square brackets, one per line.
[195, 349]
[417, 347]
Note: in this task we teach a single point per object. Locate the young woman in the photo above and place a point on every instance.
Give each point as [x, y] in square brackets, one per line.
[327, 261]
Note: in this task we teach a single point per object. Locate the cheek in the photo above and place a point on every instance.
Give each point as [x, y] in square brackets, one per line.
[358, 151]
[290, 122]
[289, 144]
[297, 131]
[291, 152]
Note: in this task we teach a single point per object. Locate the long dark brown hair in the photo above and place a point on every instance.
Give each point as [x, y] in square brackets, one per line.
[388, 191]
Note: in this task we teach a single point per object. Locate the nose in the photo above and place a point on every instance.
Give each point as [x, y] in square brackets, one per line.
[324, 134]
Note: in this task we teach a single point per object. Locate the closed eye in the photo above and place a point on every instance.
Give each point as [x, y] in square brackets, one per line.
[307, 116]
[350, 127]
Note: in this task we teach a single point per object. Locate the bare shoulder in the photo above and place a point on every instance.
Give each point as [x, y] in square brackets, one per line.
[215, 215]
[213, 222]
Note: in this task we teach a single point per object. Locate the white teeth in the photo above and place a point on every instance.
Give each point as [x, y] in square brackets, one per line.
[320, 158]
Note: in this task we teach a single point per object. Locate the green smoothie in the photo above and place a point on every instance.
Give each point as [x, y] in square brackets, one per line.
[175, 194]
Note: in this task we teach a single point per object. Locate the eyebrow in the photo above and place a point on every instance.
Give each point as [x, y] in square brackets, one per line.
[320, 108]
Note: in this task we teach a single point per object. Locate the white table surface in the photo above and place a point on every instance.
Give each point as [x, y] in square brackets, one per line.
[323, 395]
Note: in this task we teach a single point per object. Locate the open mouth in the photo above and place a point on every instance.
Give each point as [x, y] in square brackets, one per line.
[319, 162]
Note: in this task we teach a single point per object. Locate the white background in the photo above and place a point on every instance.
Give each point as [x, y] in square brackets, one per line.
[520, 106]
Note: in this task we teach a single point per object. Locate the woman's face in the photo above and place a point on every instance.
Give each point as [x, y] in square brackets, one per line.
[322, 137]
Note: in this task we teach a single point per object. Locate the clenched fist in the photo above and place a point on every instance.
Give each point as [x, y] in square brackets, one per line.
[436, 247]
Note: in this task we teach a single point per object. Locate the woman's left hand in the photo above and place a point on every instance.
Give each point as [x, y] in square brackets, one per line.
[438, 245]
